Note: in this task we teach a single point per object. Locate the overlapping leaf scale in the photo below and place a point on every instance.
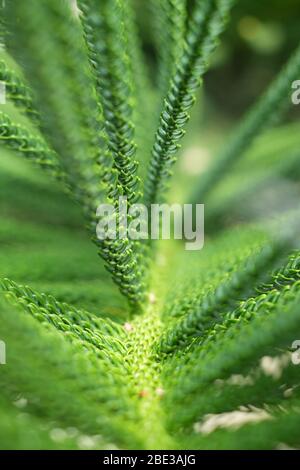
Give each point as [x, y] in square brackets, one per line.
[64, 381]
[198, 312]
[55, 66]
[16, 137]
[17, 91]
[67, 118]
[169, 28]
[261, 325]
[106, 42]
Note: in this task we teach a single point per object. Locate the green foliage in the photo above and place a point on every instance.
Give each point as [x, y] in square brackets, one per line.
[66, 99]
[173, 348]
[205, 26]
[264, 113]
[16, 91]
[18, 138]
[170, 20]
[107, 46]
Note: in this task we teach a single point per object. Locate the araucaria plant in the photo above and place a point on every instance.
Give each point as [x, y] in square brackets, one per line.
[150, 346]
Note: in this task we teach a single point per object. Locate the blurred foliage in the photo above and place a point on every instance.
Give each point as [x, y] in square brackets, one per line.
[258, 41]
[148, 346]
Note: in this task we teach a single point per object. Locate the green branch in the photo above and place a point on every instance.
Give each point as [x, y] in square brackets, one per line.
[205, 26]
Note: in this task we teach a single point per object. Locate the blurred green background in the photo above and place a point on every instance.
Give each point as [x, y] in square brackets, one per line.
[258, 41]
